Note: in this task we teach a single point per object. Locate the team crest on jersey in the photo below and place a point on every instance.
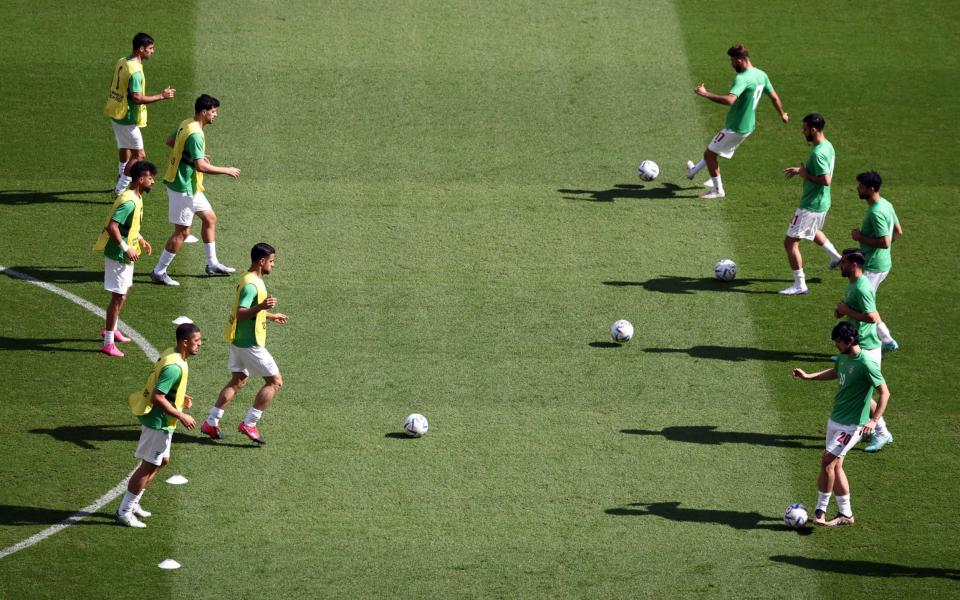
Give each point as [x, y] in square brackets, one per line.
[849, 369]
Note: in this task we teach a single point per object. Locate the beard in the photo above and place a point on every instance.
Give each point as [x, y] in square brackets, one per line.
[809, 136]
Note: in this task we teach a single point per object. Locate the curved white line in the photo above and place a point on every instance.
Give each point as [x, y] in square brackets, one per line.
[111, 495]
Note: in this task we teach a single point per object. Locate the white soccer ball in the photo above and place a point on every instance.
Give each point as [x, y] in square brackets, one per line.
[725, 270]
[795, 516]
[648, 170]
[415, 425]
[621, 331]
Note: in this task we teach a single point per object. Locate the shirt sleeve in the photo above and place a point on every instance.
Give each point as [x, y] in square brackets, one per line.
[168, 380]
[767, 86]
[248, 295]
[123, 212]
[739, 84]
[879, 225]
[821, 164]
[869, 302]
[136, 83]
[873, 372]
[193, 148]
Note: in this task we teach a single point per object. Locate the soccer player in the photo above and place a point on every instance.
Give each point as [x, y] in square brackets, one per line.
[247, 332]
[159, 406]
[184, 178]
[876, 235]
[744, 95]
[121, 243]
[851, 418]
[127, 107]
[807, 222]
[859, 306]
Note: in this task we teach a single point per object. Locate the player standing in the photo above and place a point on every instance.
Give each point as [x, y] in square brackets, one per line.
[876, 235]
[851, 418]
[748, 85]
[807, 222]
[121, 243]
[247, 334]
[127, 107]
[158, 406]
[184, 178]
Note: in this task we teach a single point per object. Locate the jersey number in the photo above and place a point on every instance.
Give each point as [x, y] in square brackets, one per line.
[756, 97]
[844, 438]
[116, 80]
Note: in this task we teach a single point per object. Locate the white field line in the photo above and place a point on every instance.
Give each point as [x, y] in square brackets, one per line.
[114, 493]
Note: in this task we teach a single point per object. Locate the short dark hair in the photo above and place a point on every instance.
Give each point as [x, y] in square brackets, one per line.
[185, 331]
[140, 40]
[855, 255]
[142, 166]
[738, 51]
[870, 179]
[261, 250]
[205, 102]
[815, 121]
[845, 331]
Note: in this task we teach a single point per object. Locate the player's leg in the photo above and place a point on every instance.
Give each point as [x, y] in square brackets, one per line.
[131, 139]
[261, 363]
[124, 158]
[881, 435]
[791, 245]
[117, 279]
[886, 338]
[238, 380]
[713, 167]
[821, 240]
[180, 214]
[208, 233]
[154, 452]
[113, 315]
[825, 485]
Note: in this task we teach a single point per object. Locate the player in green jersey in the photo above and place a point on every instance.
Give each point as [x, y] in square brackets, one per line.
[876, 235]
[807, 222]
[851, 418]
[859, 306]
[748, 85]
[126, 129]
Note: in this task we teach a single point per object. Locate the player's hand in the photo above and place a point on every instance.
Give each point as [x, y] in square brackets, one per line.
[269, 302]
[233, 172]
[278, 318]
[187, 401]
[841, 309]
[146, 246]
[868, 428]
[800, 374]
[791, 172]
[785, 117]
[132, 254]
[188, 421]
[700, 90]
[168, 93]
[855, 234]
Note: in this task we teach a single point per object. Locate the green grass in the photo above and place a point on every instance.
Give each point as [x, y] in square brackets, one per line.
[450, 188]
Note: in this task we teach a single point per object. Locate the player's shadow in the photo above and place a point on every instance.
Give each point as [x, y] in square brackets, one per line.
[743, 353]
[673, 512]
[605, 345]
[628, 191]
[867, 568]
[398, 435]
[35, 515]
[24, 197]
[59, 274]
[708, 434]
[672, 284]
[84, 436]
[42, 344]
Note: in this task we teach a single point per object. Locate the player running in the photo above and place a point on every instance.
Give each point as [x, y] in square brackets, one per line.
[127, 107]
[748, 85]
[851, 418]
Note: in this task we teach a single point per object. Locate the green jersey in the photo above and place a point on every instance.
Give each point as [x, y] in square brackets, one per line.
[193, 150]
[879, 221]
[123, 215]
[747, 86]
[167, 384]
[133, 110]
[246, 334]
[858, 376]
[860, 296]
[816, 197]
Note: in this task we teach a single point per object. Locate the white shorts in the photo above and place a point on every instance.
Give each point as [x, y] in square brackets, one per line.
[805, 224]
[127, 136]
[255, 360]
[840, 438]
[726, 142]
[875, 279]
[154, 445]
[117, 276]
[875, 354]
[183, 206]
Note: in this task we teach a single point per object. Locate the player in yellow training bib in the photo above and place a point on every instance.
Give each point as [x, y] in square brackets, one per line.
[127, 107]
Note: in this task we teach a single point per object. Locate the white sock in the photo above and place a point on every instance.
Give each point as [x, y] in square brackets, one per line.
[120, 167]
[129, 501]
[716, 184]
[165, 259]
[696, 168]
[211, 251]
[881, 428]
[213, 419]
[823, 501]
[830, 250]
[253, 415]
[799, 279]
[884, 333]
[107, 338]
[123, 184]
[843, 505]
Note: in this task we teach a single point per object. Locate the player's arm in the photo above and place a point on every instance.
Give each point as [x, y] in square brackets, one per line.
[867, 317]
[825, 179]
[140, 98]
[170, 141]
[876, 242]
[777, 104]
[113, 230]
[203, 165]
[247, 309]
[726, 99]
[897, 232]
[159, 399]
[278, 318]
[830, 373]
[883, 397]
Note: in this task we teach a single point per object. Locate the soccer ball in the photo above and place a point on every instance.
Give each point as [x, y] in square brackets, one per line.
[795, 516]
[415, 425]
[725, 270]
[648, 170]
[621, 331]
